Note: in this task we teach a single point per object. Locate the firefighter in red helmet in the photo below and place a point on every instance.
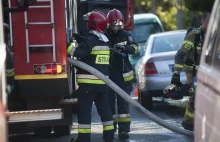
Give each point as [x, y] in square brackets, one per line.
[94, 51]
[121, 72]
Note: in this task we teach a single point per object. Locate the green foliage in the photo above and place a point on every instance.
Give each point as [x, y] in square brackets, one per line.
[167, 11]
[200, 5]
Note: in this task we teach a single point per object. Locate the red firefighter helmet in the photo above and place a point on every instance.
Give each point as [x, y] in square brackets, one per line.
[115, 20]
[96, 21]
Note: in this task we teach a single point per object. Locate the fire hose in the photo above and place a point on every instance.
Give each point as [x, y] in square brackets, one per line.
[127, 98]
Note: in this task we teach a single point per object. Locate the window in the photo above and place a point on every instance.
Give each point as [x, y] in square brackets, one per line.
[143, 31]
[167, 43]
[214, 38]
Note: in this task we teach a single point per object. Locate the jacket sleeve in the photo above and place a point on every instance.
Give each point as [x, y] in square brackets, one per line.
[82, 50]
[9, 64]
[9, 71]
[132, 47]
[186, 48]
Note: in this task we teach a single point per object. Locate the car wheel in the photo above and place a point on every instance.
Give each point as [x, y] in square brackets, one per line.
[146, 100]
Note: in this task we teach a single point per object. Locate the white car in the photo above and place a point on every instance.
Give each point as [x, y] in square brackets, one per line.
[154, 70]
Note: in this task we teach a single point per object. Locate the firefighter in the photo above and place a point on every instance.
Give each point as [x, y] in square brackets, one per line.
[121, 72]
[9, 61]
[94, 51]
[187, 60]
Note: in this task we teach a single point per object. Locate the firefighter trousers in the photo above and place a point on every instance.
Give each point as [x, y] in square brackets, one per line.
[85, 102]
[122, 117]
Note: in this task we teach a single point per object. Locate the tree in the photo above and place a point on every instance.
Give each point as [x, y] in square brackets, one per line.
[200, 5]
[174, 14]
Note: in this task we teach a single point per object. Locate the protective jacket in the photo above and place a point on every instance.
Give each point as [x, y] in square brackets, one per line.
[120, 65]
[188, 56]
[95, 53]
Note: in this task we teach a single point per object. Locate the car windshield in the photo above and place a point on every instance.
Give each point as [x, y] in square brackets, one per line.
[167, 43]
[142, 31]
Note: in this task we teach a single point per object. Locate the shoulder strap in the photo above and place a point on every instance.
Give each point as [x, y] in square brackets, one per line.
[196, 41]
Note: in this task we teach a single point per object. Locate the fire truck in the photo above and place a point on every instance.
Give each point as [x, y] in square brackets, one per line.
[44, 81]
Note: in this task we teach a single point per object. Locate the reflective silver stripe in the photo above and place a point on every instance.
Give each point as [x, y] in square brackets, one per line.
[84, 126]
[128, 74]
[86, 76]
[123, 115]
[114, 116]
[106, 123]
[100, 48]
[122, 43]
[9, 70]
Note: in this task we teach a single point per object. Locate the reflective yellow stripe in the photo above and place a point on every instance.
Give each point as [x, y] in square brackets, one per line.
[199, 48]
[96, 52]
[124, 119]
[191, 67]
[110, 127]
[85, 131]
[135, 48]
[188, 44]
[90, 81]
[178, 66]
[115, 120]
[74, 140]
[129, 78]
[10, 74]
[189, 114]
[27, 77]
[191, 90]
[102, 59]
[69, 49]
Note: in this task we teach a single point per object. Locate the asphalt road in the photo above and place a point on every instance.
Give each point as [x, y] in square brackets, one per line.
[142, 129]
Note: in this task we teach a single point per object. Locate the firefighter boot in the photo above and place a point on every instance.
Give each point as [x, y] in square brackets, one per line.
[123, 136]
[188, 117]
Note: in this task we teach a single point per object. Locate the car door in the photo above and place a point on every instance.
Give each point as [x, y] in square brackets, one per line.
[207, 107]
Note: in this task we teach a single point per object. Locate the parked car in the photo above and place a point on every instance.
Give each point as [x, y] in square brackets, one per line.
[207, 102]
[144, 25]
[154, 69]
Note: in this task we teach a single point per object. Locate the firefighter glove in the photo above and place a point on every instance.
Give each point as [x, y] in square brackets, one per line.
[117, 53]
[176, 79]
[121, 48]
[78, 38]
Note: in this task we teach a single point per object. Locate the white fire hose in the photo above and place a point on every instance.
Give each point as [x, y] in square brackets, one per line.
[127, 98]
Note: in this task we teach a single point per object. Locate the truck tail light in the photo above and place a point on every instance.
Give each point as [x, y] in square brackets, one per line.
[150, 69]
[49, 69]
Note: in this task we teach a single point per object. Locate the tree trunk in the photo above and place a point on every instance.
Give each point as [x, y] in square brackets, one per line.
[179, 16]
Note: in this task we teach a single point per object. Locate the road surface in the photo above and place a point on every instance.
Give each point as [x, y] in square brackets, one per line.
[142, 129]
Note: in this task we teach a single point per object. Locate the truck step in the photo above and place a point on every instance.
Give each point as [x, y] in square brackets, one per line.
[35, 115]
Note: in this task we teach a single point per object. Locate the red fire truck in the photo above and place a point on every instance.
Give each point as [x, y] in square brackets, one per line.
[39, 33]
